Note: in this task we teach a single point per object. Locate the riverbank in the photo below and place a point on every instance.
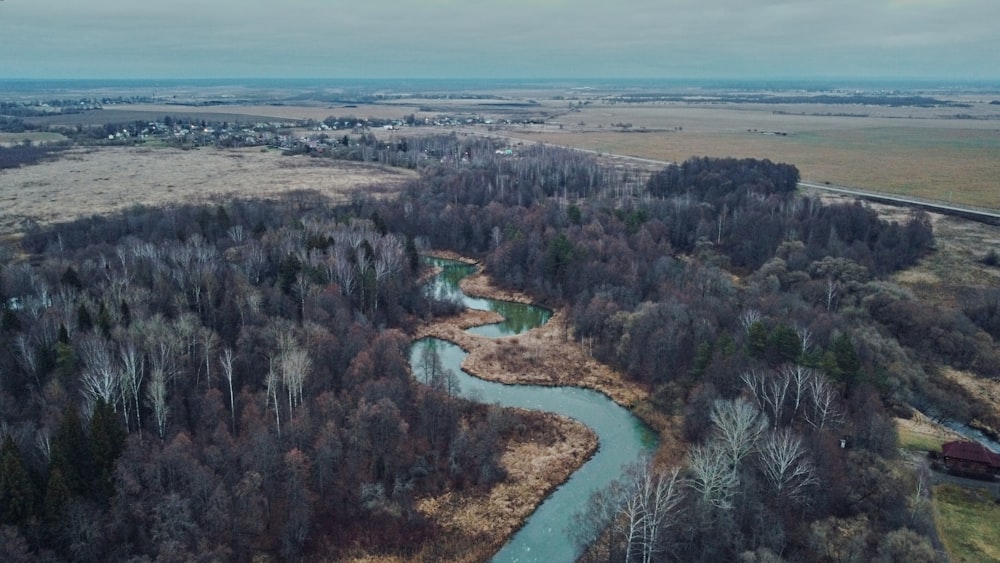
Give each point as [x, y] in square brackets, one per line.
[546, 355]
[474, 524]
[541, 457]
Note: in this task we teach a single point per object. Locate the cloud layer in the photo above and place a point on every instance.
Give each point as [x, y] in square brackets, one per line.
[512, 38]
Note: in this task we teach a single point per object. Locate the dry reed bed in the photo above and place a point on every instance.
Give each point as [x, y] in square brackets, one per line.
[550, 450]
[475, 524]
[86, 182]
[542, 356]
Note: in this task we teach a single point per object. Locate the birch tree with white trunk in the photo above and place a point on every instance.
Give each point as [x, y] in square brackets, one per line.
[226, 361]
[784, 463]
[738, 426]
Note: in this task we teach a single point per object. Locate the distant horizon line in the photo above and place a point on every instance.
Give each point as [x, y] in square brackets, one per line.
[819, 79]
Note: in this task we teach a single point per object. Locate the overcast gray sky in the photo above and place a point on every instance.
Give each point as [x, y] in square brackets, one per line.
[951, 39]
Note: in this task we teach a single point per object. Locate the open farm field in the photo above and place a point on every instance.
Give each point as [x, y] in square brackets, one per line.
[85, 182]
[942, 153]
[927, 155]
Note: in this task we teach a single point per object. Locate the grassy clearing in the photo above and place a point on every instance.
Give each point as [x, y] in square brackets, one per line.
[967, 523]
[921, 434]
[919, 441]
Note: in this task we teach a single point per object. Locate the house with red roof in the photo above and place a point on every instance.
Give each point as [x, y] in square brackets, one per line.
[970, 457]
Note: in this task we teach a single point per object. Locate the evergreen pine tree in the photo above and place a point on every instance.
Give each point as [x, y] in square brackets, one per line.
[83, 318]
[70, 454]
[847, 359]
[57, 496]
[107, 438]
[17, 492]
[412, 254]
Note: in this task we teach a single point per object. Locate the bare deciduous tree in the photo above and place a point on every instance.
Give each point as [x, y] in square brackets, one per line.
[805, 339]
[712, 475]
[43, 441]
[101, 376]
[237, 234]
[302, 288]
[133, 364]
[633, 513]
[799, 378]
[496, 237]
[832, 292]
[156, 394]
[774, 392]
[273, 379]
[254, 261]
[823, 403]
[748, 318]
[208, 341]
[295, 367]
[27, 355]
[346, 274]
[783, 462]
[659, 496]
[738, 426]
[226, 360]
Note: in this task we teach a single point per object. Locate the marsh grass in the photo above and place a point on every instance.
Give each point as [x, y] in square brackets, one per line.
[84, 182]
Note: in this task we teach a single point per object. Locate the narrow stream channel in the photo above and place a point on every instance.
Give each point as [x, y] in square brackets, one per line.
[623, 438]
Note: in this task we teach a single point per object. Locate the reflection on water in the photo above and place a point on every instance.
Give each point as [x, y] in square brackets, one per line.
[518, 317]
[623, 438]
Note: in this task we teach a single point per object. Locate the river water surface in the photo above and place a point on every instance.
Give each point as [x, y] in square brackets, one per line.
[623, 438]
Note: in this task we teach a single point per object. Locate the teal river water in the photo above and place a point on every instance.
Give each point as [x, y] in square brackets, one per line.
[546, 536]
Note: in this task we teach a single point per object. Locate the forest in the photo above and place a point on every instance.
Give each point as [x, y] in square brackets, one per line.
[232, 381]
[25, 154]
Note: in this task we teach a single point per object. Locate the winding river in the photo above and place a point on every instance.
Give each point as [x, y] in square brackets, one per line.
[622, 437]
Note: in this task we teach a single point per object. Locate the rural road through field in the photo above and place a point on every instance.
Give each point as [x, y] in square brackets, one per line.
[981, 214]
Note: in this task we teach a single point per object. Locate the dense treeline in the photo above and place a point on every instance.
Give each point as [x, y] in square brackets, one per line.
[890, 100]
[220, 382]
[27, 153]
[719, 287]
[204, 383]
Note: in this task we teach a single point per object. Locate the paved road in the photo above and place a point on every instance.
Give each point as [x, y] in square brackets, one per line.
[988, 215]
[981, 214]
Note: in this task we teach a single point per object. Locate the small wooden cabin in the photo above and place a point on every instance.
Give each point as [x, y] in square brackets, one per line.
[970, 457]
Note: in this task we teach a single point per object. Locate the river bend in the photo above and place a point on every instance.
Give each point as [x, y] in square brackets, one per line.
[623, 438]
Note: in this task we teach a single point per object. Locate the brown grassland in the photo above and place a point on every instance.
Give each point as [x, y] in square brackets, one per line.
[85, 182]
